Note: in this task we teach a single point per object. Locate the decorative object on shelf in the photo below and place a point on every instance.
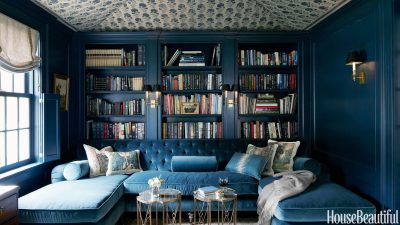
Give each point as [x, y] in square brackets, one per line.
[61, 87]
[147, 90]
[155, 184]
[356, 58]
[190, 108]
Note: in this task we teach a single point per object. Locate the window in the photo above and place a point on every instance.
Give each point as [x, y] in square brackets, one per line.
[16, 119]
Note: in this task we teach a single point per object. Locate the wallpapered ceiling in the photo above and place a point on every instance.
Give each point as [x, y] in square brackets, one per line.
[221, 15]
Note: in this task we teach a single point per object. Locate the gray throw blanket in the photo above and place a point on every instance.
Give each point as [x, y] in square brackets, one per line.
[291, 183]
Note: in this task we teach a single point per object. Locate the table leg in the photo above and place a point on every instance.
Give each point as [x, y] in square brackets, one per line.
[194, 211]
[209, 213]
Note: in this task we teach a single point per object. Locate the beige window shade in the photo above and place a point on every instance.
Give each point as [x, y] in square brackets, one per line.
[18, 45]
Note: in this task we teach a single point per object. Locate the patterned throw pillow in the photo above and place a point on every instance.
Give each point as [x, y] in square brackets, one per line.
[123, 162]
[268, 152]
[283, 160]
[97, 159]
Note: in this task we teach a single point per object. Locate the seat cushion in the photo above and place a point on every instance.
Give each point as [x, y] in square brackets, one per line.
[187, 182]
[312, 204]
[77, 201]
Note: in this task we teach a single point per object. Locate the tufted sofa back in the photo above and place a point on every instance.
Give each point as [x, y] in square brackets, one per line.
[157, 154]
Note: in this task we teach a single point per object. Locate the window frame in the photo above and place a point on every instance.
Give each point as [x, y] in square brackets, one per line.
[29, 94]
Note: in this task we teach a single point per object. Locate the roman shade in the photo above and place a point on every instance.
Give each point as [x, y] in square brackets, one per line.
[18, 46]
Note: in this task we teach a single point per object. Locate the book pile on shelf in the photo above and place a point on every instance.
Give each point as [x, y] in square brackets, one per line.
[256, 82]
[113, 83]
[174, 82]
[208, 191]
[192, 130]
[99, 106]
[191, 58]
[266, 104]
[208, 103]
[265, 130]
[115, 57]
[107, 130]
[253, 57]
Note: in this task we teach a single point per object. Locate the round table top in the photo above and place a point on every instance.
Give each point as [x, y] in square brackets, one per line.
[166, 196]
[226, 196]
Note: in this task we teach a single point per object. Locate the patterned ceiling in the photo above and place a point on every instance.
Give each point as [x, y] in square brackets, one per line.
[218, 15]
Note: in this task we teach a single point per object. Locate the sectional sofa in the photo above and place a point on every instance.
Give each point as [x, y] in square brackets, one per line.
[102, 200]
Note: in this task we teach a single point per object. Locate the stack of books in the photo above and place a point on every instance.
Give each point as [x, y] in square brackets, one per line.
[208, 103]
[192, 58]
[115, 57]
[208, 191]
[288, 104]
[266, 104]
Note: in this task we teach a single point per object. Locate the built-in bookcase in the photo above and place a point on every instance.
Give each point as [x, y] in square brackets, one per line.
[114, 97]
[268, 96]
[191, 79]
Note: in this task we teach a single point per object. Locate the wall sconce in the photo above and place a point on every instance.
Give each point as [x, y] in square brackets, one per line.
[147, 90]
[227, 100]
[235, 89]
[155, 102]
[356, 58]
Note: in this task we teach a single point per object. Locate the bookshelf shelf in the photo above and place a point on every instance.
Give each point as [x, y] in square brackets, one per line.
[118, 68]
[268, 91]
[116, 116]
[272, 116]
[193, 116]
[192, 68]
[193, 92]
[115, 92]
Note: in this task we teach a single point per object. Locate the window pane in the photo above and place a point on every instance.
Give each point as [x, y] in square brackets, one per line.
[19, 82]
[2, 115]
[6, 81]
[23, 112]
[2, 149]
[12, 113]
[12, 147]
[24, 144]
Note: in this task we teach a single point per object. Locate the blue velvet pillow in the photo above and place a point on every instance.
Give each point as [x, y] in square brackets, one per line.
[248, 164]
[303, 163]
[194, 163]
[75, 170]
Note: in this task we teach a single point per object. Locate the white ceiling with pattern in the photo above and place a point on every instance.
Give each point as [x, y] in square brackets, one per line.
[189, 15]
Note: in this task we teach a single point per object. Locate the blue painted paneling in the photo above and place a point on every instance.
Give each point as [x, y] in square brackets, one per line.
[347, 118]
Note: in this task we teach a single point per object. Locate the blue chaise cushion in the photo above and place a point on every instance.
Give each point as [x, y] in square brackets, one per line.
[194, 163]
[188, 182]
[248, 164]
[76, 169]
[304, 163]
[77, 201]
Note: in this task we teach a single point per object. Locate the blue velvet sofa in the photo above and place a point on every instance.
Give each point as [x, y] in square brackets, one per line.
[102, 200]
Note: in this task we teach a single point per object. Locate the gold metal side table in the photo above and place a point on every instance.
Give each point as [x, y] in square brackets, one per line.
[226, 208]
[170, 201]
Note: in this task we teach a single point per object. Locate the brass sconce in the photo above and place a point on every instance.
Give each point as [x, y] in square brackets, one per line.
[156, 101]
[227, 98]
[235, 89]
[355, 58]
[147, 91]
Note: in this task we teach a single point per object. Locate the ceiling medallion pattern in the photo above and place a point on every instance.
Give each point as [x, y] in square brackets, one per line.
[219, 15]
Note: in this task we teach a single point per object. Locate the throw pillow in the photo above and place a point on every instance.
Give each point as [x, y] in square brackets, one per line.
[123, 162]
[251, 165]
[283, 160]
[97, 159]
[76, 169]
[268, 152]
[194, 163]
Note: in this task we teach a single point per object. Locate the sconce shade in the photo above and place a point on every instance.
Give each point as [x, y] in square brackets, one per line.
[225, 87]
[157, 88]
[235, 87]
[354, 57]
[147, 88]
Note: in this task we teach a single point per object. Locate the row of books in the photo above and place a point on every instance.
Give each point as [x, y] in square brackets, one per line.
[173, 82]
[265, 130]
[255, 82]
[252, 57]
[116, 57]
[99, 106]
[267, 104]
[192, 130]
[206, 104]
[113, 83]
[107, 130]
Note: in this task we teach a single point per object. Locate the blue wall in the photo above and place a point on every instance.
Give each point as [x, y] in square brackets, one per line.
[351, 122]
[55, 45]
